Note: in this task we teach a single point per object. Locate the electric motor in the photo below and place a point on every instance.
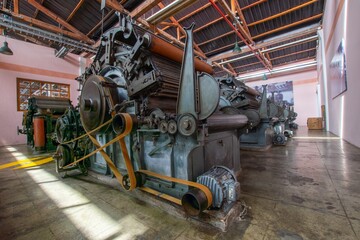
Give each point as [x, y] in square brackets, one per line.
[222, 183]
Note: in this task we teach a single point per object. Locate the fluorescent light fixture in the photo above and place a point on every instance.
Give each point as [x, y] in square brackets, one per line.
[290, 44]
[279, 70]
[62, 52]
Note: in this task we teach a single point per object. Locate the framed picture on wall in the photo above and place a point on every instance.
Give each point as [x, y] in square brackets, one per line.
[281, 93]
[338, 83]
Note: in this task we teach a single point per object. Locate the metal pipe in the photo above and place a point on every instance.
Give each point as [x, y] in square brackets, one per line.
[237, 32]
[223, 122]
[119, 123]
[194, 202]
[312, 29]
[252, 91]
[302, 67]
[166, 49]
[273, 49]
[169, 10]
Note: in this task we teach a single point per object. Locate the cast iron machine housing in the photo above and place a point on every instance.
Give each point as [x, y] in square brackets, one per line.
[269, 123]
[164, 102]
[237, 98]
[71, 145]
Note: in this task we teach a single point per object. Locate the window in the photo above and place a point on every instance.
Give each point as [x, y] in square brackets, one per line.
[27, 88]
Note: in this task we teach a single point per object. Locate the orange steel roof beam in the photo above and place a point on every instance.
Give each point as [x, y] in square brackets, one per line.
[268, 57]
[169, 11]
[143, 8]
[282, 13]
[277, 49]
[231, 67]
[235, 7]
[206, 25]
[80, 3]
[225, 69]
[289, 25]
[305, 32]
[56, 18]
[99, 23]
[246, 37]
[258, 56]
[37, 10]
[174, 21]
[287, 55]
[253, 4]
[265, 33]
[16, 6]
[208, 5]
[291, 54]
[192, 13]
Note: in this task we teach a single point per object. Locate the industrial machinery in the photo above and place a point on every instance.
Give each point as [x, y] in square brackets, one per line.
[269, 123]
[150, 110]
[237, 98]
[290, 125]
[72, 144]
[39, 121]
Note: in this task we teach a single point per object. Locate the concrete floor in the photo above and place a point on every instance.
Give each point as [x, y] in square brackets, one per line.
[306, 190]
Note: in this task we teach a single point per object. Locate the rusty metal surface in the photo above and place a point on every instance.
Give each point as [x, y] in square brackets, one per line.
[168, 50]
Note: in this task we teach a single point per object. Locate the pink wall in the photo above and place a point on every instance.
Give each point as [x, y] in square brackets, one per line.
[33, 62]
[305, 93]
[343, 110]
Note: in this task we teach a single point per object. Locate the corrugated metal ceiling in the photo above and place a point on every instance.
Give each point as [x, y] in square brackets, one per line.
[265, 20]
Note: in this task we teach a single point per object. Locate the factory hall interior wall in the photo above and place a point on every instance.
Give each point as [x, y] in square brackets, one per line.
[340, 22]
[305, 94]
[34, 62]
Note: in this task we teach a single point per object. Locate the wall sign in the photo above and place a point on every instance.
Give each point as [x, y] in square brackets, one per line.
[338, 83]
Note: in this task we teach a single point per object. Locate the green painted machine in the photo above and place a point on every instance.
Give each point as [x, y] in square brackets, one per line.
[39, 122]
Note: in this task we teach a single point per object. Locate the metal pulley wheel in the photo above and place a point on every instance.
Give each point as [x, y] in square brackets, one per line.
[279, 139]
[64, 156]
[209, 95]
[94, 109]
[67, 126]
[172, 127]
[163, 126]
[187, 124]
[100, 95]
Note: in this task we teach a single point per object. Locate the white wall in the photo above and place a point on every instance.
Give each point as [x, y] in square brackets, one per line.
[344, 110]
[32, 62]
[305, 93]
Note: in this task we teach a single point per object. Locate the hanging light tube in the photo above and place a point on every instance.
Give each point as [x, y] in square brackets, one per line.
[279, 70]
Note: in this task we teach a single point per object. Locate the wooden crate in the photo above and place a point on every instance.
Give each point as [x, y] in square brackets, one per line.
[315, 123]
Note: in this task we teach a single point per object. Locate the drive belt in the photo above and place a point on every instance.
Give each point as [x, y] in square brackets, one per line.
[113, 168]
[89, 132]
[203, 188]
[129, 167]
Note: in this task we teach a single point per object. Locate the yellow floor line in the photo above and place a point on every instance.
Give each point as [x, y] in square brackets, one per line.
[17, 162]
[25, 161]
[36, 163]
